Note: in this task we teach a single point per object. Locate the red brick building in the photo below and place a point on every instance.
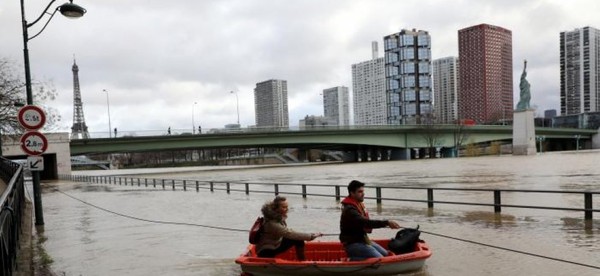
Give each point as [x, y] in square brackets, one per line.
[485, 92]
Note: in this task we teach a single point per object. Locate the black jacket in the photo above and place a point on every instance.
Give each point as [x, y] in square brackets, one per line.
[353, 225]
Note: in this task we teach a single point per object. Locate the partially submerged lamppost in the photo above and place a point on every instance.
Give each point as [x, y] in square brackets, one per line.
[69, 10]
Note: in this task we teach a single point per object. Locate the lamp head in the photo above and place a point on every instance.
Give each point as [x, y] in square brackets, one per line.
[71, 10]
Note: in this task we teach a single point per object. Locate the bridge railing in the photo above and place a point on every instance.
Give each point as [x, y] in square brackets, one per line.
[486, 197]
[12, 202]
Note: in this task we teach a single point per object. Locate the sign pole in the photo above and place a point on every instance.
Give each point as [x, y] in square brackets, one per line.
[32, 118]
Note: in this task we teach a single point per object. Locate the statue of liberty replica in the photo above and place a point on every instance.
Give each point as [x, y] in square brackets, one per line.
[523, 123]
[525, 95]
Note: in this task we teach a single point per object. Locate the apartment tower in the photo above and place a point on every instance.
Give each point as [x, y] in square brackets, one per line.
[271, 104]
[368, 90]
[445, 89]
[408, 77]
[579, 71]
[485, 92]
[336, 105]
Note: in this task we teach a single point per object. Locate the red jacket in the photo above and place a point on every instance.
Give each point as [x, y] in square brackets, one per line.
[355, 222]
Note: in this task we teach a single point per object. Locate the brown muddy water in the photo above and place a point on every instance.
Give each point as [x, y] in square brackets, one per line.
[83, 240]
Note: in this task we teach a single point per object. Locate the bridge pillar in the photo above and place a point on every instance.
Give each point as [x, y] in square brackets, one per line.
[361, 155]
[385, 154]
[400, 154]
[350, 156]
[596, 140]
[372, 154]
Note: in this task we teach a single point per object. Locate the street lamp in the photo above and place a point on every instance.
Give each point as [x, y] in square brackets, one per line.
[541, 139]
[193, 124]
[108, 107]
[69, 10]
[237, 101]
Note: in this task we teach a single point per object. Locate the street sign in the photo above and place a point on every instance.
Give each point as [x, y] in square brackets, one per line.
[34, 143]
[35, 163]
[31, 117]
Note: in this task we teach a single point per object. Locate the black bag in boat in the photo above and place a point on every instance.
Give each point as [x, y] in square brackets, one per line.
[405, 241]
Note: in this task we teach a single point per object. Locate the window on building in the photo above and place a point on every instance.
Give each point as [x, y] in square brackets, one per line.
[424, 54]
[424, 67]
[407, 53]
[425, 95]
[425, 108]
[390, 43]
[393, 84]
[408, 81]
[424, 81]
[407, 40]
[410, 109]
[409, 95]
[424, 40]
[391, 57]
[408, 68]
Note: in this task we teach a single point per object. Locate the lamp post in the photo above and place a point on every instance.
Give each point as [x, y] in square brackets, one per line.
[108, 107]
[237, 101]
[69, 10]
[541, 139]
[193, 124]
[577, 137]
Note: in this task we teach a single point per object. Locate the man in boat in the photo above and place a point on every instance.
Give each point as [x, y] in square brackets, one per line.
[276, 236]
[355, 225]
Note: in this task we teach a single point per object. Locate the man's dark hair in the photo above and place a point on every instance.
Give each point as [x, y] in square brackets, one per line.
[354, 185]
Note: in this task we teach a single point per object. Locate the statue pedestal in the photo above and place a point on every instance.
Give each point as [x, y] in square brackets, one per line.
[523, 133]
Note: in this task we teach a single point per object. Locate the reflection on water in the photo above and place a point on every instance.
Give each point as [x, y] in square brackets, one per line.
[490, 219]
[85, 241]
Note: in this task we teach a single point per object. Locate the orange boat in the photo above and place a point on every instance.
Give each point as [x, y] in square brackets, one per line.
[327, 258]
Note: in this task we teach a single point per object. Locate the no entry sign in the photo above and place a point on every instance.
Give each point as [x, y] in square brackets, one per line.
[34, 143]
[31, 117]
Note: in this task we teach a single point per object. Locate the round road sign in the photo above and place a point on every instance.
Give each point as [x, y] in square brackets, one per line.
[31, 117]
[34, 143]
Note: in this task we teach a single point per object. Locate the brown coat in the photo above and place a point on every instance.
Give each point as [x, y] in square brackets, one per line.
[275, 229]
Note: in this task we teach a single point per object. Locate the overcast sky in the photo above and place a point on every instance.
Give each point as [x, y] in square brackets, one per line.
[156, 58]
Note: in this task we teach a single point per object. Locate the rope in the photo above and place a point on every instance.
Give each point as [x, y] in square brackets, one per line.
[149, 220]
[329, 234]
[511, 250]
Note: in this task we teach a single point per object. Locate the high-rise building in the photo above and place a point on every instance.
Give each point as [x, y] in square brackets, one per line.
[313, 121]
[368, 90]
[408, 76]
[550, 113]
[445, 89]
[271, 104]
[485, 92]
[336, 105]
[580, 71]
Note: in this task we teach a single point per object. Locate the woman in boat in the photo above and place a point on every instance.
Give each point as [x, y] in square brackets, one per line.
[276, 236]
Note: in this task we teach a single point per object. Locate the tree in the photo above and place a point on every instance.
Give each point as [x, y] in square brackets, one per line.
[13, 95]
[459, 134]
[431, 133]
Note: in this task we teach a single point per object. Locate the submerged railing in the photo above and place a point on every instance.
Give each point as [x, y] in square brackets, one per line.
[493, 195]
[12, 202]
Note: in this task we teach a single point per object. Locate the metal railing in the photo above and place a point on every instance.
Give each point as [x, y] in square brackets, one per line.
[12, 202]
[302, 190]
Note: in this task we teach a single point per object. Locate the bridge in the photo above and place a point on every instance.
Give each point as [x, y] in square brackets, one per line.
[350, 138]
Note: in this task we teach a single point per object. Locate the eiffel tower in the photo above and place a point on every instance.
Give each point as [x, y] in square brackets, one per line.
[79, 130]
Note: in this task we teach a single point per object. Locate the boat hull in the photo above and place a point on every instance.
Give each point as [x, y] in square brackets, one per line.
[327, 258]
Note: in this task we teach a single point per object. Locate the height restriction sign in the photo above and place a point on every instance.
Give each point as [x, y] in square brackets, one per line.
[31, 117]
[34, 143]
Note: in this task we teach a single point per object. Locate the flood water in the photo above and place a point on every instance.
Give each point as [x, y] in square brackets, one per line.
[83, 240]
